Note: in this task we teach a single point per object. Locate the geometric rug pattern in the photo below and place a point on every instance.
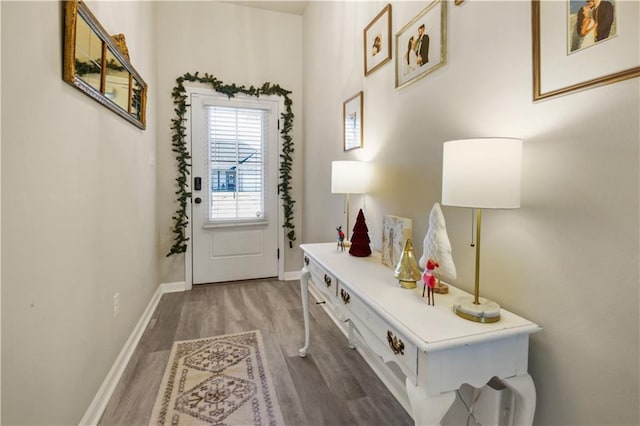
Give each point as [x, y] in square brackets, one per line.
[221, 380]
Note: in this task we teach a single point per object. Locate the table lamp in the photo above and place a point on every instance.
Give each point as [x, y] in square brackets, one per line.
[349, 177]
[481, 173]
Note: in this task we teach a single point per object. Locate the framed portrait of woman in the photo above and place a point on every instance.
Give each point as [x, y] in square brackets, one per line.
[421, 45]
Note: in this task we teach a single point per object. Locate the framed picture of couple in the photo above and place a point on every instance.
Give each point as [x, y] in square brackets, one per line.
[580, 44]
[421, 44]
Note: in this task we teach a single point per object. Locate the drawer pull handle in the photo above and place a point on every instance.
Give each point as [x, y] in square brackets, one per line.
[346, 298]
[396, 345]
[306, 260]
[327, 280]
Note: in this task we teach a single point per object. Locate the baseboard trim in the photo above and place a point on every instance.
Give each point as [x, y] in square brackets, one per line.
[173, 287]
[101, 399]
[292, 275]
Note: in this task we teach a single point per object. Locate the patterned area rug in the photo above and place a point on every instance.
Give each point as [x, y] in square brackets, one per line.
[220, 380]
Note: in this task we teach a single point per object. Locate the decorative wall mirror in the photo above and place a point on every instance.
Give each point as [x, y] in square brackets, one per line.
[98, 65]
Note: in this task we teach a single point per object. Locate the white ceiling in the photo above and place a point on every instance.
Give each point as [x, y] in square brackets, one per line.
[292, 7]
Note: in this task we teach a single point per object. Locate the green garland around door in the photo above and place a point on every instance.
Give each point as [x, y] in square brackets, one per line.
[179, 143]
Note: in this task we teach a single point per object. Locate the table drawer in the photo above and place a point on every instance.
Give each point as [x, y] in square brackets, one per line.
[322, 279]
[382, 337]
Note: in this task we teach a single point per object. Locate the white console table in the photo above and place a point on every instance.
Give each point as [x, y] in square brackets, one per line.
[436, 350]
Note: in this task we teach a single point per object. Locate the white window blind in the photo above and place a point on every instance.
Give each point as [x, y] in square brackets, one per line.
[236, 163]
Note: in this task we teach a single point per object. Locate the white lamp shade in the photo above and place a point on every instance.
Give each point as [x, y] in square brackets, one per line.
[482, 173]
[349, 177]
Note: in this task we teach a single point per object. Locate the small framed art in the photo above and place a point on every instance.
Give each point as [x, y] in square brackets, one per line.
[395, 233]
[421, 45]
[352, 122]
[578, 45]
[377, 41]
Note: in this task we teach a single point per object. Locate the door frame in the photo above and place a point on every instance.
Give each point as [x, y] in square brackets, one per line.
[188, 255]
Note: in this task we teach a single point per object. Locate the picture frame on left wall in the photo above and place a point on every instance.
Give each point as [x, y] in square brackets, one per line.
[377, 41]
[352, 122]
[421, 45]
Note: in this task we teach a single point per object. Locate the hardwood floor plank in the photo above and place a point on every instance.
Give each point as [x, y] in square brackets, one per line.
[287, 324]
[167, 316]
[214, 314]
[368, 411]
[321, 405]
[190, 325]
[138, 394]
[288, 398]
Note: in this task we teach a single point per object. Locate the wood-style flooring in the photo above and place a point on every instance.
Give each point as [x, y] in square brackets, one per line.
[333, 385]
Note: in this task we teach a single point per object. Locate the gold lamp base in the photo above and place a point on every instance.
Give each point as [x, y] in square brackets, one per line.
[485, 311]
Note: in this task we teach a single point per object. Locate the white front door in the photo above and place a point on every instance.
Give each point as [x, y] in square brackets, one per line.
[234, 210]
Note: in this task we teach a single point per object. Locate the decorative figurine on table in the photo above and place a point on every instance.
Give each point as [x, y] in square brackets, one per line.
[360, 238]
[429, 280]
[340, 238]
[438, 248]
[407, 272]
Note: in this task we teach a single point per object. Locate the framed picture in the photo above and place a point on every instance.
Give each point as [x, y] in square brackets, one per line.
[377, 41]
[396, 231]
[352, 122]
[421, 45]
[577, 45]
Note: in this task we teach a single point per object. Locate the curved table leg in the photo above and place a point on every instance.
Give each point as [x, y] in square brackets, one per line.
[304, 292]
[428, 410]
[525, 398]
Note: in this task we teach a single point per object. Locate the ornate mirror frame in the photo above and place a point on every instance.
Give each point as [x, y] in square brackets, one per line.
[98, 65]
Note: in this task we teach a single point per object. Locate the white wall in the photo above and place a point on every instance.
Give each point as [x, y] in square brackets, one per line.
[78, 216]
[236, 44]
[568, 259]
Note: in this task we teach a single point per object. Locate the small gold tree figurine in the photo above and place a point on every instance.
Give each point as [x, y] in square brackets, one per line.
[407, 271]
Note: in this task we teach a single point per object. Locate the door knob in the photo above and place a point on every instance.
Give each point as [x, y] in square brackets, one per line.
[197, 200]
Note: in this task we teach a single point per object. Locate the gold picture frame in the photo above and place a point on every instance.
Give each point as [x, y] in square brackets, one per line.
[559, 71]
[353, 122]
[377, 41]
[424, 35]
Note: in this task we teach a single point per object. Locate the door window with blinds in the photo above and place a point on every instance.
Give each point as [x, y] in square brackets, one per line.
[236, 144]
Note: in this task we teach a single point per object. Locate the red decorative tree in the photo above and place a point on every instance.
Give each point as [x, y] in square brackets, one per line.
[360, 238]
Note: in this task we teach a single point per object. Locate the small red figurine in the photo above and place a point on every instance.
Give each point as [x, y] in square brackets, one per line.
[430, 281]
[340, 238]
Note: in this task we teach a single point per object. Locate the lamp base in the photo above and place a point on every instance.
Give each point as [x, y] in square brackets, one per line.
[486, 311]
[347, 243]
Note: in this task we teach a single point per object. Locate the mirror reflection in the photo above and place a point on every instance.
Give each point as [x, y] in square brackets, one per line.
[136, 100]
[88, 60]
[116, 83]
[98, 65]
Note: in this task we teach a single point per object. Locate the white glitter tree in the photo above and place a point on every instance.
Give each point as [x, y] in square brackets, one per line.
[437, 245]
